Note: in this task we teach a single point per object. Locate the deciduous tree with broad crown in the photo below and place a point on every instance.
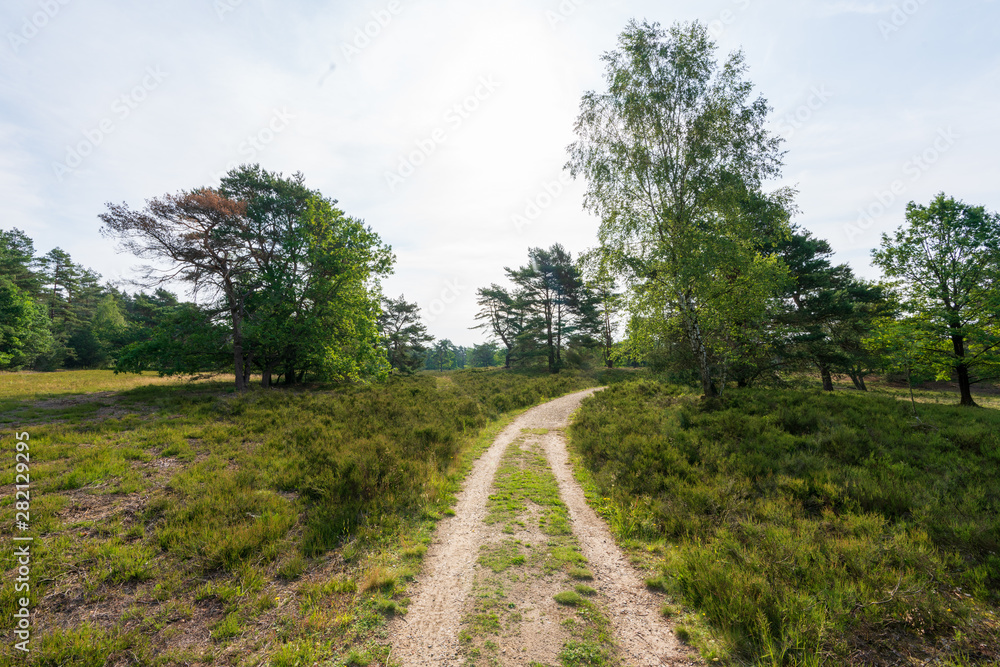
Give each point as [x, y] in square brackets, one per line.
[675, 155]
[947, 259]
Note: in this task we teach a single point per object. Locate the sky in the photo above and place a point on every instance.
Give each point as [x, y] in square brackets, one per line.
[444, 124]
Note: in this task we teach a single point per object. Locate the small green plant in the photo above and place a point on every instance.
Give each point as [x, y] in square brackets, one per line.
[569, 598]
[390, 607]
[415, 552]
[227, 628]
[292, 568]
[380, 578]
[581, 654]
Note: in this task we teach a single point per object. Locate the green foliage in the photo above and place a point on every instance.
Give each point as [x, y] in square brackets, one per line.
[292, 278]
[485, 355]
[24, 332]
[402, 435]
[403, 334]
[441, 357]
[18, 262]
[581, 654]
[183, 339]
[684, 219]
[805, 523]
[947, 258]
[569, 598]
[826, 312]
[223, 523]
[87, 646]
[557, 307]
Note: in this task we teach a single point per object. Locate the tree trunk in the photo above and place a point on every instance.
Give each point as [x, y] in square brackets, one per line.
[824, 371]
[238, 352]
[267, 377]
[247, 366]
[964, 382]
[858, 379]
[909, 383]
[698, 348]
[965, 386]
[238, 366]
[552, 353]
[558, 336]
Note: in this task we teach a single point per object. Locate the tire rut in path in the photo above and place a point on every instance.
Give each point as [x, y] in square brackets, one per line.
[428, 634]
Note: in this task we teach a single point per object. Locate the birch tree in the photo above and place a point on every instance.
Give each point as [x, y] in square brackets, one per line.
[675, 155]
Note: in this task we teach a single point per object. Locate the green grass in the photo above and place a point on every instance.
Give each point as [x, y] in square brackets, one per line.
[29, 386]
[568, 598]
[802, 527]
[501, 556]
[580, 654]
[304, 510]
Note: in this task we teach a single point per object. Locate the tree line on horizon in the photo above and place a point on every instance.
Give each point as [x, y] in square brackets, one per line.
[288, 288]
[699, 270]
[717, 285]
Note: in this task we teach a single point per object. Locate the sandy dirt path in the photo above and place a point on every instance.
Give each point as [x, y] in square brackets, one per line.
[428, 633]
[641, 632]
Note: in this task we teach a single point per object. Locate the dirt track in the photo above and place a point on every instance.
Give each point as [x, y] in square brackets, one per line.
[429, 633]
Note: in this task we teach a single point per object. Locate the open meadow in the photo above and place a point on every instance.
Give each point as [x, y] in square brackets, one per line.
[800, 527]
[177, 522]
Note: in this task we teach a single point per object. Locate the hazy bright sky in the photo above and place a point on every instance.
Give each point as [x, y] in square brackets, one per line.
[120, 101]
